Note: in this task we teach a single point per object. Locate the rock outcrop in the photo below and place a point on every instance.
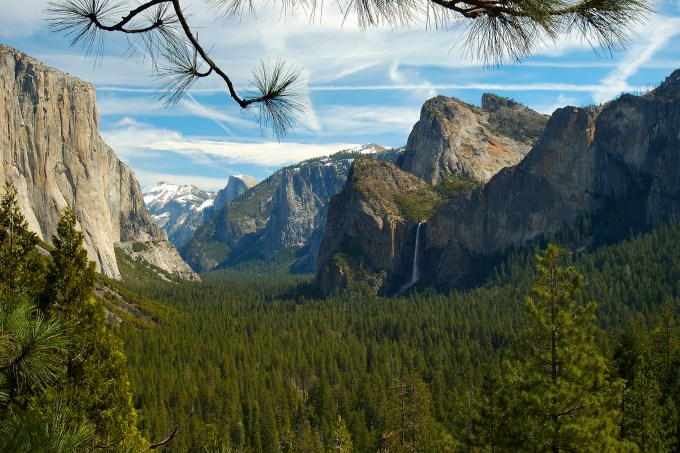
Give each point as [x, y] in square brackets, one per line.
[236, 185]
[455, 138]
[52, 152]
[370, 235]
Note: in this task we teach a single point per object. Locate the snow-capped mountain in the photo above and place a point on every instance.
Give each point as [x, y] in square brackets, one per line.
[178, 209]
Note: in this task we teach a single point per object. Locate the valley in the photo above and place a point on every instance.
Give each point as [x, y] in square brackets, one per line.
[506, 281]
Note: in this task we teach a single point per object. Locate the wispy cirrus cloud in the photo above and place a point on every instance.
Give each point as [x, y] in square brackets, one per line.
[130, 139]
[657, 34]
[366, 120]
[540, 86]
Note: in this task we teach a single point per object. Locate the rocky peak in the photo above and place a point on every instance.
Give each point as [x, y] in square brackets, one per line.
[493, 103]
[510, 118]
[52, 152]
[236, 185]
[670, 88]
[159, 195]
[455, 138]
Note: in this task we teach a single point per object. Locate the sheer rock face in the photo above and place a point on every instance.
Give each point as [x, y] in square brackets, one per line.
[622, 159]
[52, 152]
[627, 157]
[236, 185]
[453, 137]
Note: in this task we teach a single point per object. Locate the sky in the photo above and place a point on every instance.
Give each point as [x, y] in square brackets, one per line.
[363, 86]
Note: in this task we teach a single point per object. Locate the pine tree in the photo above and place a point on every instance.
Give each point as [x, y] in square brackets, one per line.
[644, 423]
[96, 381]
[565, 401]
[342, 439]
[71, 276]
[45, 431]
[21, 266]
[32, 351]
[491, 408]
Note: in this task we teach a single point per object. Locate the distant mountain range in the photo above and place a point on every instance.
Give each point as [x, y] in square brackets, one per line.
[280, 219]
[180, 209]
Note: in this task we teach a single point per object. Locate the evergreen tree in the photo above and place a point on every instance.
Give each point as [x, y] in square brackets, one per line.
[71, 276]
[45, 431]
[32, 351]
[644, 421]
[491, 408]
[96, 382]
[21, 266]
[342, 439]
[565, 401]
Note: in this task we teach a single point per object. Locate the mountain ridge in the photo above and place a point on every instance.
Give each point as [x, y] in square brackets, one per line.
[617, 162]
[278, 216]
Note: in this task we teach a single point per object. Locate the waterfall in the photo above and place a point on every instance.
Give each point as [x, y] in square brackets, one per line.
[415, 273]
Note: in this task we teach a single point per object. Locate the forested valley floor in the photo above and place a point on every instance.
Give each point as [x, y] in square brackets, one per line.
[267, 368]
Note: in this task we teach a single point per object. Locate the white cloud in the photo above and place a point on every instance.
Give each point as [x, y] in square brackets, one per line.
[536, 86]
[111, 105]
[560, 101]
[657, 34]
[19, 19]
[150, 178]
[193, 107]
[338, 119]
[131, 139]
[272, 154]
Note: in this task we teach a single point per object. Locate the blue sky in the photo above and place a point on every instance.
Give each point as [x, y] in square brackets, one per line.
[363, 86]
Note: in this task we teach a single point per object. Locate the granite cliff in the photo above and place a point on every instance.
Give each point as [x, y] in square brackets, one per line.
[52, 152]
[236, 185]
[455, 138]
[619, 164]
[370, 231]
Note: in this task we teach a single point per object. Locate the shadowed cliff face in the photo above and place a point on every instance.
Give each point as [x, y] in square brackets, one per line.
[624, 158]
[369, 236]
[52, 152]
[236, 185]
[284, 213]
